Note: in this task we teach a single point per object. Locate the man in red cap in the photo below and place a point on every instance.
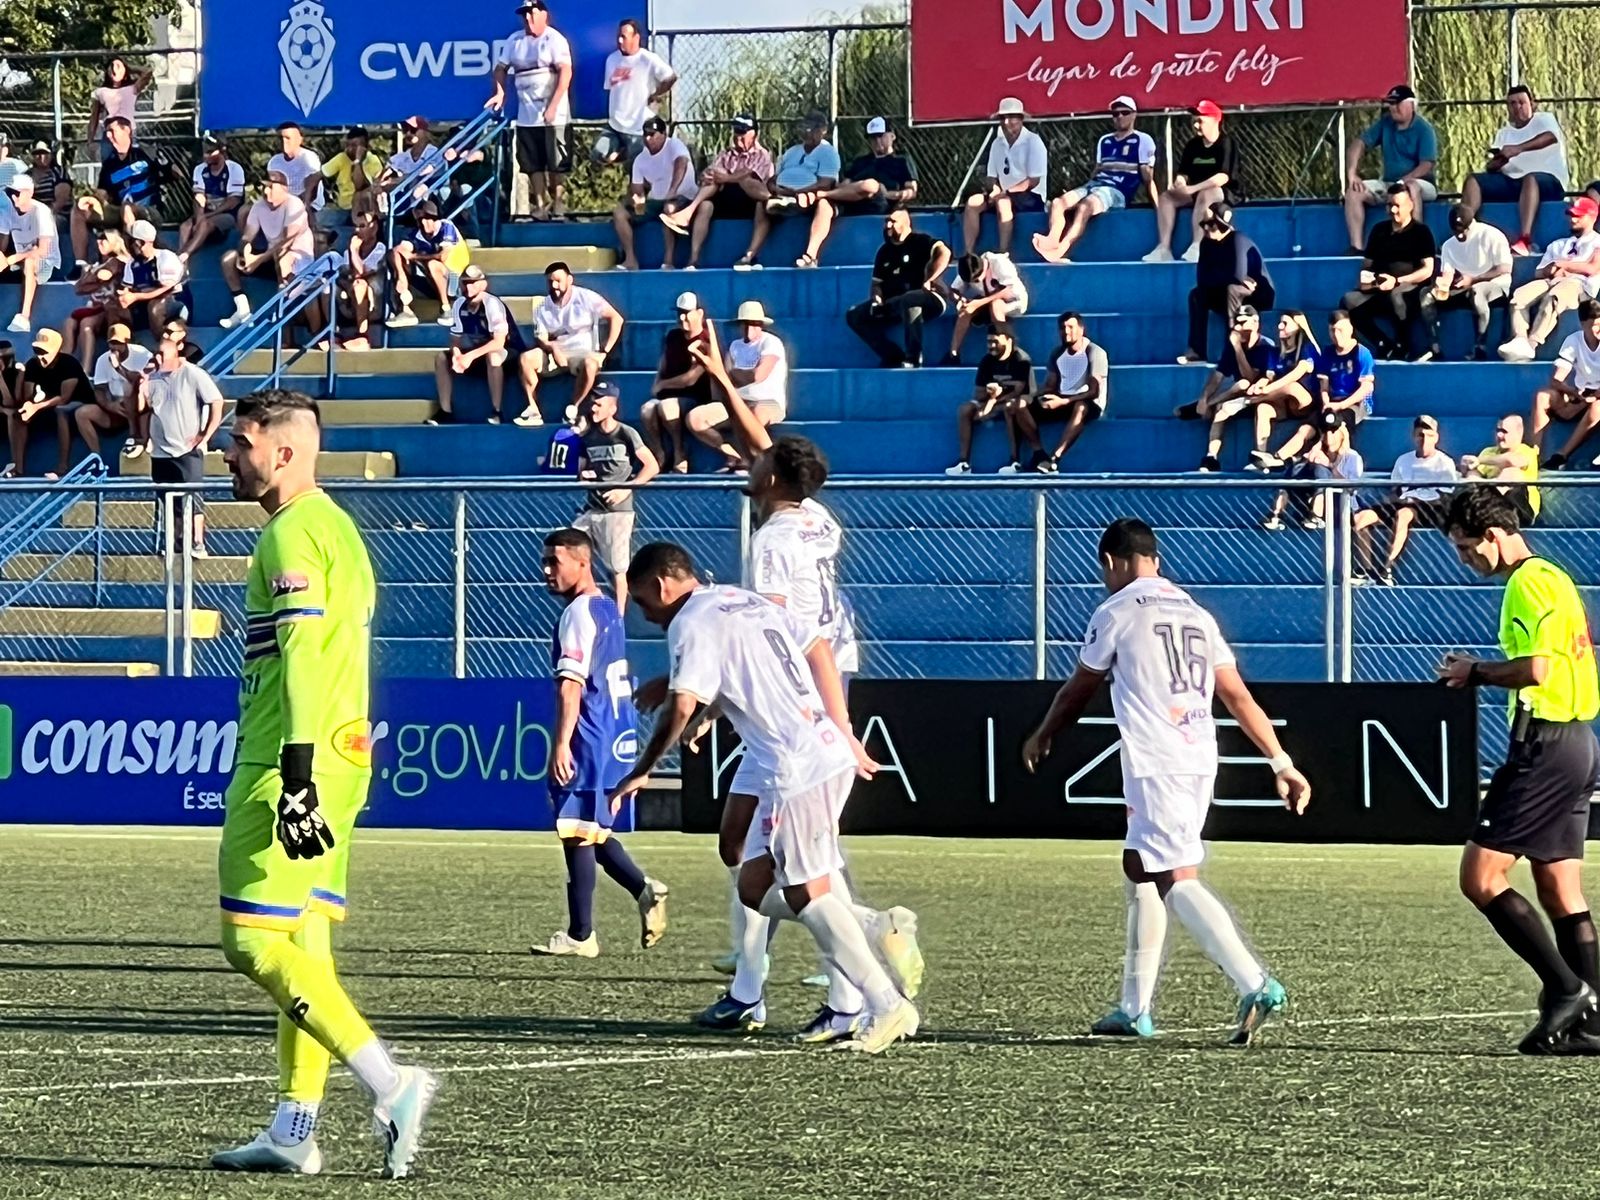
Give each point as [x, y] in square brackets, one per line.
[1568, 274]
[1208, 172]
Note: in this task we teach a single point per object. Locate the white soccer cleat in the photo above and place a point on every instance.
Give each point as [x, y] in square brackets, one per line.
[895, 939]
[885, 1029]
[652, 912]
[397, 1120]
[266, 1155]
[564, 945]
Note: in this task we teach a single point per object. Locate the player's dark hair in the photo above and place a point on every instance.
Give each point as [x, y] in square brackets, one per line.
[1128, 537]
[272, 407]
[1337, 315]
[1520, 89]
[282, 125]
[969, 267]
[556, 266]
[1395, 189]
[660, 560]
[1069, 315]
[799, 465]
[569, 539]
[1476, 510]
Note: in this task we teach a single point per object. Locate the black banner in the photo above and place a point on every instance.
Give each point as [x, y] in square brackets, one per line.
[1391, 762]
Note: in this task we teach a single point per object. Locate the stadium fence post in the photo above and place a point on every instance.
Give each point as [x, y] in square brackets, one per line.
[183, 529]
[1329, 602]
[99, 544]
[163, 509]
[55, 97]
[1039, 556]
[744, 528]
[1341, 499]
[459, 631]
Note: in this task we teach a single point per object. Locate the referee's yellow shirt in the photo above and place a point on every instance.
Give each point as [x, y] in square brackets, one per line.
[1542, 616]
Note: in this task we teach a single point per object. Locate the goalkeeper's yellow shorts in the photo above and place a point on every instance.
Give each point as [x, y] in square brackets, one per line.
[262, 886]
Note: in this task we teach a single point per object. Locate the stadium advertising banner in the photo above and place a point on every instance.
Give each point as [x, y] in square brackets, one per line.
[1387, 763]
[447, 753]
[1063, 57]
[339, 62]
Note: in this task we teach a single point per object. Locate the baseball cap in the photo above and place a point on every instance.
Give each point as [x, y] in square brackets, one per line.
[1460, 216]
[415, 123]
[48, 340]
[686, 302]
[474, 274]
[142, 231]
[277, 177]
[119, 335]
[426, 209]
[601, 389]
[529, 5]
[1424, 421]
[1583, 206]
[1330, 420]
[1207, 108]
[1124, 102]
[744, 123]
[213, 141]
[1398, 93]
[357, 131]
[42, 148]
[814, 120]
[653, 125]
[877, 126]
[1220, 215]
[1247, 312]
[22, 185]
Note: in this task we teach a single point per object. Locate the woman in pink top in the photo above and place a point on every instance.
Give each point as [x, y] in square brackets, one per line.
[116, 96]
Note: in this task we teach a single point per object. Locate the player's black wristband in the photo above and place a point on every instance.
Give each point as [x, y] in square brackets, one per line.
[1475, 675]
[294, 764]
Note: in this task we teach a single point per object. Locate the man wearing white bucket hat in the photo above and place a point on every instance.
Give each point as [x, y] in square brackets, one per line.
[758, 364]
[1015, 176]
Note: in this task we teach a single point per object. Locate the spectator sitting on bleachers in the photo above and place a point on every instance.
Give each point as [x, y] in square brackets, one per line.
[1573, 393]
[1074, 393]
[1527, 163]
[1568, 273]
[874, 183]
[130, 181]
[51, 183]
[352, 174]
[361, 281]
[681, 382]
[1346, 379]
[418, 153]
[1474, 272]
[757, 365]
[218, 195]
[116, 97]
[1207, 175]
[155, 284]
[10, 168]
[1229, 271]
[301, 166]
[807, 168]
[1410, 151]
[566, 337]
[276, 235]
[1014, 179]
[636, 78]
[1512, 460]
[427, 260]
[905, 292]
[98, 288]
[1125, 161]
[989, 291]
[117, 375]
[1330, 457]
[35, 254]
[661, 181]
[1283, 391]
[1244, 362]
[733, 187]
[1005, 375]
[484, 337]
[539, 58]
[1397, 263]
[50, 379]
[1421, 478]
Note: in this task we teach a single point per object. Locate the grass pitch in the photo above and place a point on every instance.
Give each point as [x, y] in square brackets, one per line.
[128, 1052]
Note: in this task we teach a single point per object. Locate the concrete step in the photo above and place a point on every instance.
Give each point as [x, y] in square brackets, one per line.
[110, 670]
[417, 360]
[536, 258]
[120, 568]
[101, 622]
[366, 412]
[331, 464]
[141, 514]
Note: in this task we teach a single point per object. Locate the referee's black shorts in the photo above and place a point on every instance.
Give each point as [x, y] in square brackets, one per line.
[1538, 803]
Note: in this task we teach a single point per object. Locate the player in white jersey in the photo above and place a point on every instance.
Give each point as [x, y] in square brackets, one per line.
[777, 684]
[1167, 658]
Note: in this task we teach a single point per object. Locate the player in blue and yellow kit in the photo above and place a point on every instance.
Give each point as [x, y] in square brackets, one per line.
[593, 747]
[304, 763]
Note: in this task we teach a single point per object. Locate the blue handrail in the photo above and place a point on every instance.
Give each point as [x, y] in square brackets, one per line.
[318, 278]
[45, 513]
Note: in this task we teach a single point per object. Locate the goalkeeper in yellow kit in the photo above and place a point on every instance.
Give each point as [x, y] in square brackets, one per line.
[304, 763]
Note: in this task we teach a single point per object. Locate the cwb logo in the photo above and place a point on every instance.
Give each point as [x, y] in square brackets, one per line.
[305, 46]
[116, 747]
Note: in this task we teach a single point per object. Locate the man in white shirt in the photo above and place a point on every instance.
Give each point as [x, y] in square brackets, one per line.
[218, 188]
[539, 60]
[1568, 273]
[1167, 659]
[117, 375]
[1422, 478]
[636, 80]
[1573, 393]
[300, 165]
[416, 132]
[566, 337]
[758, 365]
[1074, 393]
[1527, 163]
[35, 253]
[662, 182]
[1014, 179]
[1474, 272]
[277, 232]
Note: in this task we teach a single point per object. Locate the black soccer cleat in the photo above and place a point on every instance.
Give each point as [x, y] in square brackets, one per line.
[1557, 1018]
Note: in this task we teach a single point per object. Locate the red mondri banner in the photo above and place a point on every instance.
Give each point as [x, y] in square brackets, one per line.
[1063, 57]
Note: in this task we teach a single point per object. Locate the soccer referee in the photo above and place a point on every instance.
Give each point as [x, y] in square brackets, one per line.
[1537, 805]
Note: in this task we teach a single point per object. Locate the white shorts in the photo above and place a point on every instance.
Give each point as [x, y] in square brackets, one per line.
[801, 831]
[1108, 197]
[1378, 189]
[1166, 816]
[750, 780]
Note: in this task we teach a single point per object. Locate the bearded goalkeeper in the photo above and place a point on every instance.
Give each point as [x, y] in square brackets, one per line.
[304, 764]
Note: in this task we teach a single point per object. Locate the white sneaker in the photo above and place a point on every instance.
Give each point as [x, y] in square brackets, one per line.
[895, 940]
[237, 317]
[1159, 255]
[961, 468]
[397, 1120]
[564, 945]
[528, 418]
[652, 912]
[1518, 350]
[1011, 468]
[264, 1154]
[884, 1029]
[19, 324]
[1192, 254]
[445, 319]
[404, 319]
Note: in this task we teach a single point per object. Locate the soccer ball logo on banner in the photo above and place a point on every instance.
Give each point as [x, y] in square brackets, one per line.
[305, 46]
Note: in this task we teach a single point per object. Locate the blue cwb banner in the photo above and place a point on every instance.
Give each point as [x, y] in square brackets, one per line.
[339, 62]
[447, 753]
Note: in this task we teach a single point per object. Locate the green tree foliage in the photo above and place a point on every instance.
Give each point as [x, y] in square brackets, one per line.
[50, 26]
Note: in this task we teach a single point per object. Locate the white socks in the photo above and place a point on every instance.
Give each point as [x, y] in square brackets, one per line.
[375, 1069]
[1147, 936]
[844, 996]
[750, 935]
[293, 1123]
[1206, 918]
[840, 935]
[241, 306]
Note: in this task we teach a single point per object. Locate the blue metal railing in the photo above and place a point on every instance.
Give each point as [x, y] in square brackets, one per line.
[319, 279]
[23, 530]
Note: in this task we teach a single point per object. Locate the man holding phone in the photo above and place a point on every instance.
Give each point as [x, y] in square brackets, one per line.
[1398, 261]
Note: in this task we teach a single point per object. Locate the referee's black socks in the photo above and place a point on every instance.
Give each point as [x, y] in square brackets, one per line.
[1520, 927]
[1577, 940]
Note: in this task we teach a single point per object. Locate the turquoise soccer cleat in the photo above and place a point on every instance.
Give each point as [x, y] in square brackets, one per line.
[1256, 1009]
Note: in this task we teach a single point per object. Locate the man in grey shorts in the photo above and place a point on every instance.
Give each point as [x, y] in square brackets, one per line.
[610, 452]
[185, 409]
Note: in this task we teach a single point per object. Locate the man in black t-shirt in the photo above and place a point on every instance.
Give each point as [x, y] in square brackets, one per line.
[1005, 374]
[49, 379]
[680, 384]
[1398, 263]
[1207, 174]
[873, 183]
[905, 274]
[52, 186]
[130, 182]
